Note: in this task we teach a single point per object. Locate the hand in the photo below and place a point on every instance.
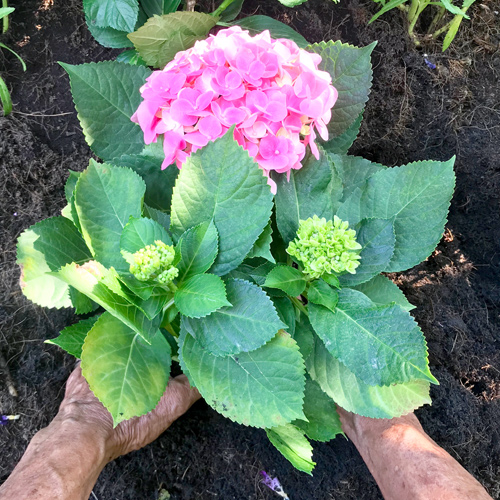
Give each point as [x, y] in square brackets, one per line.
[81, 406]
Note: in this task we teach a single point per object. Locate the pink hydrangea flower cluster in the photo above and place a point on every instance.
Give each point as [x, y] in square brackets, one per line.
[270, 90]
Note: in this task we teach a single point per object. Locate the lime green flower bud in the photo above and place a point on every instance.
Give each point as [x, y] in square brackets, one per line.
[325, 247]
[154, 262]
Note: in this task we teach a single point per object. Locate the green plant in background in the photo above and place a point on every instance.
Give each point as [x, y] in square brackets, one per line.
[4, 91]
[439, 23]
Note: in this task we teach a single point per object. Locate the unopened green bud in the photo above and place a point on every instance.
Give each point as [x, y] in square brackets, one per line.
[325, 247]
[154, 262]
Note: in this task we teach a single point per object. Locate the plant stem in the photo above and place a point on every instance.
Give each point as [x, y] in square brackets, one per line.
[299, 305]
[222, 7]
[443, 29]
[439, 15]
[414, 15]
[6, 18]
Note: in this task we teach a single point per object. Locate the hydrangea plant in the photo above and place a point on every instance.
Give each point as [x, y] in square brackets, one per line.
[276, 305]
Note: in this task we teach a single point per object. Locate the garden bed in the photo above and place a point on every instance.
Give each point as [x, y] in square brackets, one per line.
[415, 112]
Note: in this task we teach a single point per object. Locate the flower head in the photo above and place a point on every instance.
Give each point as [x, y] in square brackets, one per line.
[325, 246]
[154, 262]
[270, 90]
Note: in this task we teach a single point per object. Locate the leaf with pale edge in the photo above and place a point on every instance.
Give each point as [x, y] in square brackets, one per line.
[382, 291]
[71, 339]
[260, 388]
[163, 36]
[117, 14]
[416, 197]
[290, 441]
[201, 295]
[249, 323]
[351, 71]
[127, 375]
[377, 240]
[46, 247]
[321, 293]
[381, 345]
[323, 422]
[84, 279]
[106, 197]
[353, 395]
[106, 94]
[198, 249]
[221, 182]
[286, 278]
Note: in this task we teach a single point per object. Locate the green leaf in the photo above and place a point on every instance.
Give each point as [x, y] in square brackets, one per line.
[354, 171]
[5, 11]
[416, 197]
[456, 11]
[353, 395]
[198, 249]
[452, 31]
[130, 57]
[71, 339]
[342, 143]
[392, 4]
[5, 99]
[106, 197]
[381, 345]
[249, 323]
[261, 388]
[231, 12]
[257, 24]
[86, 279]
[106, 94]
[46, 247]
[292, 3]
[262, 247]
[81, 303]
[286, 313]
[332, 280]
[201, 295]
[159, 7]
[286, 278]
[138, 233]
[163, 36]
[312, 190]
[221, 182]
[323, 422]
[376, 237]
[382, 291]
[322, 294]
[69, 187]
[293, 445]
[304, 335]
[351, 72]
[109, 37]
[159, 183]
[117, 14]
[127, 375]
[157, 215]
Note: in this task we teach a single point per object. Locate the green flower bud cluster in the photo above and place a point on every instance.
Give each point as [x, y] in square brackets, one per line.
[325, 247]
[154, 262]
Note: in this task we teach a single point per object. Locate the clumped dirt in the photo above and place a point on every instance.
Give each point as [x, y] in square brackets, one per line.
[415, 112]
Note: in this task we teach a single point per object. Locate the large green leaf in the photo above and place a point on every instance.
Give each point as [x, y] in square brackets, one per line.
[71, 339]
[221, 182]
[351, 72]
[416, 197]
[109, 37]
[286, 313]
[342, 143]
[159, 183]
[315, 189]
[117, 14]
[231, 11]
[159, 7]
[323, 422]
[87, 279]
[262, 247]
[353, 395]
[261, 388]
[106, 197]
[127, 375]
[293, 445]
[198, 249]
[382, 291]
[257, 24]
[376, 237]
[201, 295]
[248, 324]
[163, 36]
[106, 94]
[46, 247]
[381, 345]
[286, 278]
[321, 293]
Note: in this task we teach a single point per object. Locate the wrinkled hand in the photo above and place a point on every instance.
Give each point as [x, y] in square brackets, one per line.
[81, 406]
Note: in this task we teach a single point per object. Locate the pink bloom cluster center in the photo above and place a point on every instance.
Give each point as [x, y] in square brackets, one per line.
[270, 90]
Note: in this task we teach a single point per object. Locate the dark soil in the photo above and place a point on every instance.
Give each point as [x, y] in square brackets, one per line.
[415, 113]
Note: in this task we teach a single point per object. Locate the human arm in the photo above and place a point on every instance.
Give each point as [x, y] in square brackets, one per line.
[64, 460]
[406, 463]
